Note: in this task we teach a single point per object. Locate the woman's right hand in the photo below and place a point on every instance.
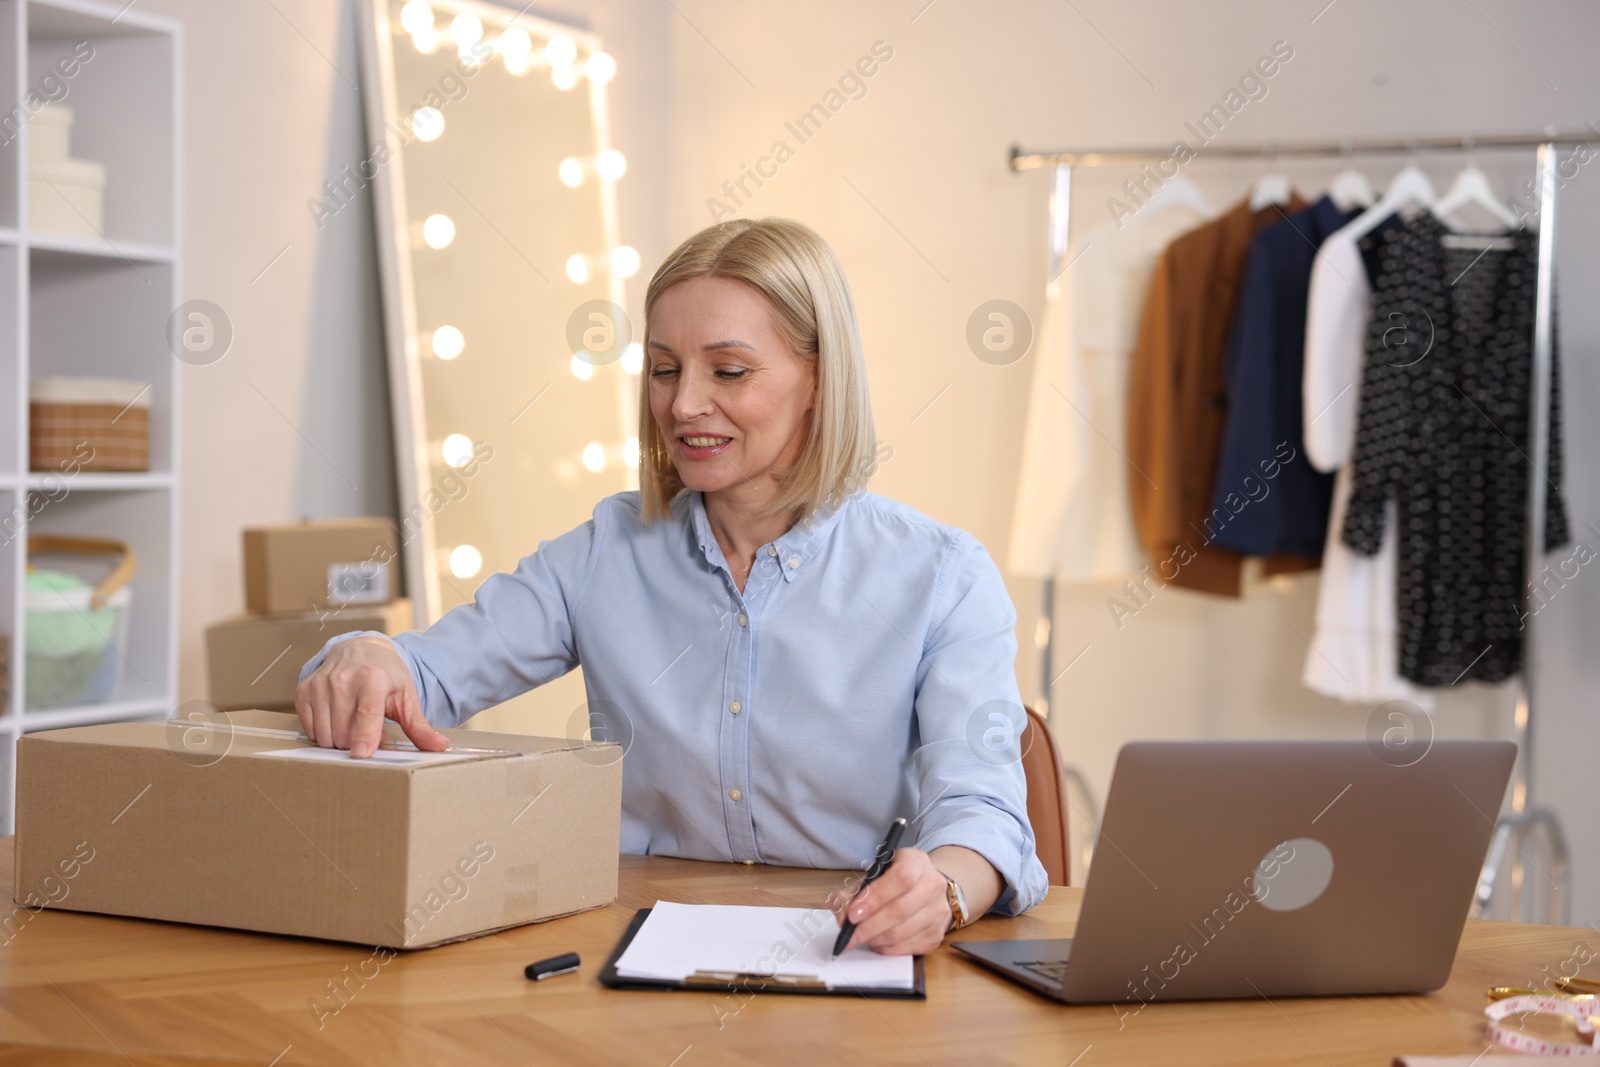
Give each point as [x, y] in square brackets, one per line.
[360, 683]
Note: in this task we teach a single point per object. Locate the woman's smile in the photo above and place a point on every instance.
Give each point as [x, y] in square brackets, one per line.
[702, 446]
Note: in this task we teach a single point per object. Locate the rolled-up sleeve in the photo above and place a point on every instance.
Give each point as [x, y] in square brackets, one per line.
[969, 714]
[515, 635]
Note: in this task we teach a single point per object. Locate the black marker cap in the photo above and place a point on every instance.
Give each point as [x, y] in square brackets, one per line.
[552, 966]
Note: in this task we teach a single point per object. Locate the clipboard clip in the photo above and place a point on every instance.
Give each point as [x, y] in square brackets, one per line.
[724, 979]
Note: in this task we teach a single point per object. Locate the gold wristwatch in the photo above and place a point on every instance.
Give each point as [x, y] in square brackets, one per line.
[958, 904]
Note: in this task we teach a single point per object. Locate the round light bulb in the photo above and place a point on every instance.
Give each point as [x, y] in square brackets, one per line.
[427, 42]
[625, 261]
[465, 561]
[630, 452]
[448, 342]
[610, 165]
[438, 231]
[633, 358]
[517, 65]
[561, 51]
[417, 17]
[427, 123]
[564, 77]
[515, 44]
[601, 68]
[594, 456]
[582, 369]
[466, 28]
[577, 268]
[571, 172]
[456, 450]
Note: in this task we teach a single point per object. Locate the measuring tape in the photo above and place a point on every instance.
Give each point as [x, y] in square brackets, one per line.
[1580, 1007]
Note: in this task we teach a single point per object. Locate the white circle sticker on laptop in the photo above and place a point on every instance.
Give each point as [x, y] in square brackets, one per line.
[1292, 874]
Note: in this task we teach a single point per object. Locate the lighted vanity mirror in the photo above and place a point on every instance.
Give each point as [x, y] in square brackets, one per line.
[513, 369]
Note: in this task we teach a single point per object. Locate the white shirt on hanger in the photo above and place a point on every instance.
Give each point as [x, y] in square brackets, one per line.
[1352, 655]
[1072, 518]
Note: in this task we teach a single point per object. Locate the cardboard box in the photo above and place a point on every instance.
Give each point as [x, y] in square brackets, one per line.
[254, 660]
[312, 565]
[191, 822]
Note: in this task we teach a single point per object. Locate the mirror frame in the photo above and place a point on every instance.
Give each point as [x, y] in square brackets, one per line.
[415, 467]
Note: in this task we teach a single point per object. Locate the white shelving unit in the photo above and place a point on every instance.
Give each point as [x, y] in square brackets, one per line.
[92, 307]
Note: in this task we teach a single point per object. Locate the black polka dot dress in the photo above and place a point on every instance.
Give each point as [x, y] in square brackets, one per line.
[1443, 429]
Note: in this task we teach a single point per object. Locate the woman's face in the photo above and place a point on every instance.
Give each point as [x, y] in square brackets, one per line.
[733, 401]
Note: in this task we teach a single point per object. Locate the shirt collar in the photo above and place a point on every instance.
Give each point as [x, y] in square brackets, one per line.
[789, 553]
[1326, 217]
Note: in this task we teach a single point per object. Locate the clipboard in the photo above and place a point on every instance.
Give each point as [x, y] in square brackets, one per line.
[730, 982]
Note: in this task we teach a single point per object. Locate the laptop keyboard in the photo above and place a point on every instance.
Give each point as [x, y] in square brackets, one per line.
[1054, 970]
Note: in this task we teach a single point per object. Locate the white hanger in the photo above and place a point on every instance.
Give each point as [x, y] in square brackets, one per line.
[1179, 192]
[1410, 186]
[1270, 189]
[1472, 187]
[1350, 190]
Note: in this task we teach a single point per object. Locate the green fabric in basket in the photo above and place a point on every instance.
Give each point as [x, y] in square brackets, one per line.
[62, 680]
[66, 643]
[69, 627]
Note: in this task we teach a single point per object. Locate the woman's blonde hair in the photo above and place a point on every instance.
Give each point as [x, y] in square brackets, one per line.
[792, 266]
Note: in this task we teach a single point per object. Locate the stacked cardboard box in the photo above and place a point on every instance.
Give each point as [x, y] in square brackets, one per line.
[304, 583]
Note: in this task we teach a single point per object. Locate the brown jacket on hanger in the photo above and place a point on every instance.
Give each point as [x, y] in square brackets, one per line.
[1177, 403]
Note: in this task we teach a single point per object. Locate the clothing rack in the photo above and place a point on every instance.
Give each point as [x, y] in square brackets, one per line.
[1525, 818]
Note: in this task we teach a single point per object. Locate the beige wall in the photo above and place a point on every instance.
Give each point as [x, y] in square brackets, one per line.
[909, 184]
[293, 421]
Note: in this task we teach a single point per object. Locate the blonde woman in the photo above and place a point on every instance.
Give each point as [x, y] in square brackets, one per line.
[793, 661]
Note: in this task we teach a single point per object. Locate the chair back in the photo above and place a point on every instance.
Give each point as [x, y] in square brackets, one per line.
[1047, 797]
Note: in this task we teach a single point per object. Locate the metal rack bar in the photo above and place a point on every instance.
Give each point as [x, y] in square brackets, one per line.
[1021, 160]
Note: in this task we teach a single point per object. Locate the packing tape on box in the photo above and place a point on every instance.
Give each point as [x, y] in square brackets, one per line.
[521, 891]
[230, 729]
[526, 778]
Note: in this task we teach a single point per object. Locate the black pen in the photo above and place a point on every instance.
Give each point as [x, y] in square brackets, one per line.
[880, 863]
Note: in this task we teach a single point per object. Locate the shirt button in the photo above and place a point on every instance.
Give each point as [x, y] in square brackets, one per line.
[744, 620]
[736, 708]
[748, 863]
[734, 794]
[793, 563]
[772, 550]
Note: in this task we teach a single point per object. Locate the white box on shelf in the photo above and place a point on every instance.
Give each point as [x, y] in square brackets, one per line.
[50, 136]
[66, 198]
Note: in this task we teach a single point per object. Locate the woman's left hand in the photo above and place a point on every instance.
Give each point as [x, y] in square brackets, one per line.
[905, 912]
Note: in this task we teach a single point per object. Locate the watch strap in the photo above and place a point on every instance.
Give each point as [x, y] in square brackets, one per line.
[958, 904]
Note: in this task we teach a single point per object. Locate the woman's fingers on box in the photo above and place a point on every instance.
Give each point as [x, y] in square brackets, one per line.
[415, 724]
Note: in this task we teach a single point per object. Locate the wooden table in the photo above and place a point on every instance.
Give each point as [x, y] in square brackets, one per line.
[128, 991]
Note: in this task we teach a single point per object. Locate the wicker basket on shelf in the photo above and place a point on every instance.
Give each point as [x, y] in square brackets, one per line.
[93, 424]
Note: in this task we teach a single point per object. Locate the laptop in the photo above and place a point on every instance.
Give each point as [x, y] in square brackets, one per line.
[1230, 869]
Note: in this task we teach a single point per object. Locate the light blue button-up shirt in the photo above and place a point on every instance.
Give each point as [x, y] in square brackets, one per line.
[866, 672]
